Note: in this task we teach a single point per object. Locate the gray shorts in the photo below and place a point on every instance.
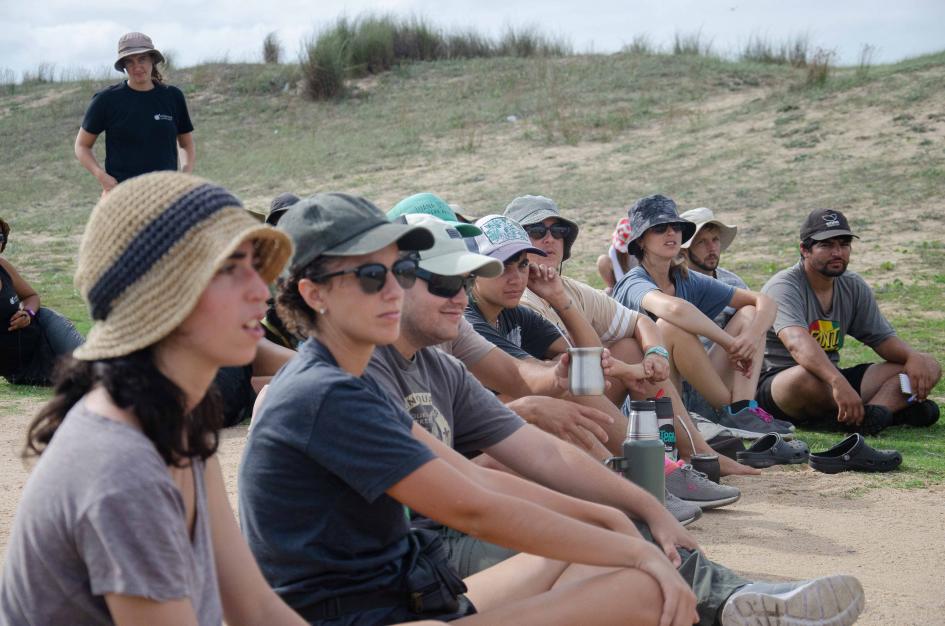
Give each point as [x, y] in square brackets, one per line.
[469, 555]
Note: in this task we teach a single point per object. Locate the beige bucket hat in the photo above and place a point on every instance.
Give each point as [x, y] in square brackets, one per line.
[702, 217]
[135, 43]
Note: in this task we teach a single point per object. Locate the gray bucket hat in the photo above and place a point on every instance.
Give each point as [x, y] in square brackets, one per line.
[502, 238]
[135, 43]
[339, 224]
[651, 211]
[527, 210]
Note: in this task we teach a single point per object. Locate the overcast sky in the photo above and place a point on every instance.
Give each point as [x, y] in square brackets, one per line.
[73, 34]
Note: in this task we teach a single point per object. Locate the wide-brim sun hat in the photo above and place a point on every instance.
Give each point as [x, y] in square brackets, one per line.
[528, 210]
[339, 224]
[449, 255]
[503, 238]
[652, 211]
[427, 203]
[702, 217]
[135, 43]
[151, 248]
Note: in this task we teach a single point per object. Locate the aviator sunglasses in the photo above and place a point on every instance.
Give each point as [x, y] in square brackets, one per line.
[372, 276]
[558, 230]
[446, 286]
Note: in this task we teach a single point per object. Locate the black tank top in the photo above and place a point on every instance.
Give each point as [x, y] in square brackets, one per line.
[17, 348]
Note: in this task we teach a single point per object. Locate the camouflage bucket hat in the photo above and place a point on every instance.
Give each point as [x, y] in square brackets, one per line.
[651, 211]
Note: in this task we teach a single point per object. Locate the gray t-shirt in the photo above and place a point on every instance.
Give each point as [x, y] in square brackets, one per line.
[853, 312]
[100, 514]
[469, 346]
[443, 397]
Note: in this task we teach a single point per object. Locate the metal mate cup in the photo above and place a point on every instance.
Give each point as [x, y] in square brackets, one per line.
[586, 376]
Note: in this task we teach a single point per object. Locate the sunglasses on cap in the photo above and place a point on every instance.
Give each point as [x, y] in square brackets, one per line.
[558, 230]
[445, 286]
[659, 229]
[372, 276]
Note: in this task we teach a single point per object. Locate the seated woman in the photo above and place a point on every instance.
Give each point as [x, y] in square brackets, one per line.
[614, 265]
[685, 303]
[32, 337]
[125, 517]
[332, 462]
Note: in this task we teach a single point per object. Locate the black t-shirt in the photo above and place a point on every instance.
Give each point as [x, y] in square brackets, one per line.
[16, 347]
[141, 127]
[521, 332]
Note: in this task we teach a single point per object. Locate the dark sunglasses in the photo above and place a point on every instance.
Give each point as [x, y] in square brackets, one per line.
[659, 229]
[372, 276]
[446, 286]
[558, 230]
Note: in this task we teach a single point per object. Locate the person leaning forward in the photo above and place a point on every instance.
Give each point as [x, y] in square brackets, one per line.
[819, 304]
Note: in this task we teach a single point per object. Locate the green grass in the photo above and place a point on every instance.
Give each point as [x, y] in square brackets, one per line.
[594, 132]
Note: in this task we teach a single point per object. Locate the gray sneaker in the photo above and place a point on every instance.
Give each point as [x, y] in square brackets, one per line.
[684, 512]
[829, 601]
[753, 422]
[694, 487]
[708, 428]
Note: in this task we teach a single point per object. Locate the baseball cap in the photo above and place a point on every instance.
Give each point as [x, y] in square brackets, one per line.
[449, 255]
[339, 224]
[703, 217]
[825, 223]
[502, 238]
[431, 204]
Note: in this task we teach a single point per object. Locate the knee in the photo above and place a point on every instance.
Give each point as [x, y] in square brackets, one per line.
[742, 318]
[627, 350]
[644, 602]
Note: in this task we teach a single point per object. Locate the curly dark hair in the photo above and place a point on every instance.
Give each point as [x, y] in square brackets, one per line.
[299, 318]
[135, 384]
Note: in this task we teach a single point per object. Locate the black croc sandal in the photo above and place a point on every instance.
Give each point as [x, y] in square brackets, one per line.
[772, 449]
[854, 454]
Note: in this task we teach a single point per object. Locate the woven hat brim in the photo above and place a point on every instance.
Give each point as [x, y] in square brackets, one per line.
[156, 305]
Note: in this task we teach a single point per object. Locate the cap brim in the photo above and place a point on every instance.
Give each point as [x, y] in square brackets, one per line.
[509, 249]
[406, 236]
[466, 230]
[459, 263]
[541, 215]
[827, 234]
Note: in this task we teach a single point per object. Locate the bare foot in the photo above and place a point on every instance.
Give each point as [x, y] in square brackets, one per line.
[729, 467]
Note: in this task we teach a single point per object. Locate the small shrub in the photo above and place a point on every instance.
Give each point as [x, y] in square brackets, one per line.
[371, 46]
[324, 63]
[271, 49]
[44, 73]
[641, 45]
[818, 69]
[691, 45]
[866, 61]
[416, 40]
[793, 52]
[468, 44]
[529, 42]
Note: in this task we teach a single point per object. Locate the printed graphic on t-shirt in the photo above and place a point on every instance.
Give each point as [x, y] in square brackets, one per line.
[827, 334]
[515, 336]
[421, 408]
[162, 116]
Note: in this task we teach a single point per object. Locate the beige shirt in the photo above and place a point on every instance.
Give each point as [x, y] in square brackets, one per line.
[610, 319]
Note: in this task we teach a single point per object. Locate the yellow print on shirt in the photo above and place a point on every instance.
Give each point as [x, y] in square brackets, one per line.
[827, 333]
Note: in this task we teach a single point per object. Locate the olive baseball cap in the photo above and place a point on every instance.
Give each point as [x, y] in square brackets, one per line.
[427, 203]
[825, 223]
[339, 224]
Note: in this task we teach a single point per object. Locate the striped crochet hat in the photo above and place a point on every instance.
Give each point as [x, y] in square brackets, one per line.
[151, 247]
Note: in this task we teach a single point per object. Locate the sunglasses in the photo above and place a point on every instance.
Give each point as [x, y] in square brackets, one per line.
[372, 276]
[446, 286]
[659, 229]
[558, 230]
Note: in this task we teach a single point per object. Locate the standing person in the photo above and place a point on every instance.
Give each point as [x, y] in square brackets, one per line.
[144, 120]
[685, 304]
[332, 460]
[819, 303]
[125, 517]
[614, 265]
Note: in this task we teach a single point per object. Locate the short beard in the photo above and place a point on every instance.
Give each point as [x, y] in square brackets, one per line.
[698, 263]
[823, 271]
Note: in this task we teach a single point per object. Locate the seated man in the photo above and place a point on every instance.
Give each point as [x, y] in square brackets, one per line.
[819, 303]
[441, 396]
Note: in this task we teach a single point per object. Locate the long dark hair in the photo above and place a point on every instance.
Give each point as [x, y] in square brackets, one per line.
[135, 384]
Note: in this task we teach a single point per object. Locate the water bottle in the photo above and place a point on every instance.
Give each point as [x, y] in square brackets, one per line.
[642, 449]
[665, 418]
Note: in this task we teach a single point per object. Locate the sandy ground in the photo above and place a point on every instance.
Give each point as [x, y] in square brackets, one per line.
[789, 524]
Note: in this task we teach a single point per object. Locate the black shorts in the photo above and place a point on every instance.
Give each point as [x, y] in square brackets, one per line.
[854, 376]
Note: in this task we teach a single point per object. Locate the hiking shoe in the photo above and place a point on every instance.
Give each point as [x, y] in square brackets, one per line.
[920, 414]
[695, 487]
[684, 512]
[875, 420]
[829, 601]
[753, 422]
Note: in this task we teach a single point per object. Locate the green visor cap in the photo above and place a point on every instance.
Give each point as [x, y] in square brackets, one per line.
[339, 224]
[450, 254]
[431, 204]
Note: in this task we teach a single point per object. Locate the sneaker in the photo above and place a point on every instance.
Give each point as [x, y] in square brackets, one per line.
[876, 419]
[684, 512]
[829, 601]
[920, 414]
[695, 487]
[708, 428]
[753, 422]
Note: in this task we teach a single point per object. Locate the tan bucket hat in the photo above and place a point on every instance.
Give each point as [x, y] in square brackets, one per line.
[702, 217]
[151, 247]
[135, 43]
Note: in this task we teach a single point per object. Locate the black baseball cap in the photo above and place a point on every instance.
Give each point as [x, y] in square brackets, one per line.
[825, 223]
[339, 224]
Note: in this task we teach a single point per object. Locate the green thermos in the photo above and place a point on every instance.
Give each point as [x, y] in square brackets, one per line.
[643, 450]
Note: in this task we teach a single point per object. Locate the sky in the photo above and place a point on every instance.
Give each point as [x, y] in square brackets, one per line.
[83, 36]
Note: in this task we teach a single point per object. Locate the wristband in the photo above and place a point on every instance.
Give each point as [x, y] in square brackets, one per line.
[660, 350]
[30, 312]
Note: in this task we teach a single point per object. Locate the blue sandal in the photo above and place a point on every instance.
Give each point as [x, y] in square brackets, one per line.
[772, 449]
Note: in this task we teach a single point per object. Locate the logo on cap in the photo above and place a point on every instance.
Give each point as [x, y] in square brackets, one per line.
[831, 219]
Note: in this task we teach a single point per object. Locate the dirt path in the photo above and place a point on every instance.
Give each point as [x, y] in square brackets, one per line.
[789, 524]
